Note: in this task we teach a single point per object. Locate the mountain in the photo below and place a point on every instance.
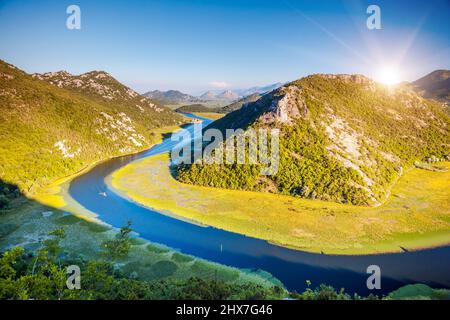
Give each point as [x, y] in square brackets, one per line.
[171, 96]
[192, 108]
[343, 138]
[435, 85]
[233, 95]
[54, 124]
[240, 103]
[209, 95]
[224, 95]
[228, 95]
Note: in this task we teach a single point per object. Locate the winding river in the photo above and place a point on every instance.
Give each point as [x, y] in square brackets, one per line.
[292, 267]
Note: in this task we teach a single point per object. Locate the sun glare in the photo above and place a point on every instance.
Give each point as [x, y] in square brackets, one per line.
[388, 76]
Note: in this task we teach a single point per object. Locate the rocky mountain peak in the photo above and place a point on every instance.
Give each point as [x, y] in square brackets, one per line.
[286, 106]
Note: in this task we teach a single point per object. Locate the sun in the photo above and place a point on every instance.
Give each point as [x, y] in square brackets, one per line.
[388, 75]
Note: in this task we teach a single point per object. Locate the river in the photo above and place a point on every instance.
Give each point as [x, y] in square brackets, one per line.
[292, 267]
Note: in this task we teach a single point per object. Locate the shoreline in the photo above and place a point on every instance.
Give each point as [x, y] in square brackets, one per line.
[86, 168]
[55, 198]
[53, 195]
[428, 237]
[279, 244]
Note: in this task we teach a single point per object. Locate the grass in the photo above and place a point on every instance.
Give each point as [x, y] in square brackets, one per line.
[209, 115]
[419, 292]
[26, 226]
[55, 194]
[417, 215]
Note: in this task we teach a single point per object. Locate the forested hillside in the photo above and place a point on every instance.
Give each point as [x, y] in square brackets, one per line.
[192, 108]
[54, 124]
[343, 138]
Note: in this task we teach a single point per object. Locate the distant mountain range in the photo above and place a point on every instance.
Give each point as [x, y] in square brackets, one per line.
[258, 90]
[225, 95]
[234, 95]
[177, 97]
[435, 85]
[171, 96]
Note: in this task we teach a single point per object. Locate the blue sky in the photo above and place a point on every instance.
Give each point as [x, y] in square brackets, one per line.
[199, 45]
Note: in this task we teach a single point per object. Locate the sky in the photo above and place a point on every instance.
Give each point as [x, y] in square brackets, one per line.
[198, 45]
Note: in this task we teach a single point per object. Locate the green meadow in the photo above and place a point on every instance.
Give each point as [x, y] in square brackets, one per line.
[29, 224]
[415, 216]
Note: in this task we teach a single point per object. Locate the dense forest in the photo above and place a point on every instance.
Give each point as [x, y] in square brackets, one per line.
[193, 108]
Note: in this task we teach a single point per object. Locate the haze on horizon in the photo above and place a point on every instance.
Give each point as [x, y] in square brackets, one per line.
[194, 46]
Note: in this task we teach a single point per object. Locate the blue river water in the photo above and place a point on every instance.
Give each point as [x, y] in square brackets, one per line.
[292, 267]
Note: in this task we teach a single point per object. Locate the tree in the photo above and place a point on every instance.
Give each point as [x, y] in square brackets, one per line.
[4, 201]
[118, 247]
[8, 261]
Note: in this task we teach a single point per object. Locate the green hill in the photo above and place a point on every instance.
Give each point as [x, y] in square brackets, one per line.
[192, 108]
[54, 124]
[171, 96]
[344, 138]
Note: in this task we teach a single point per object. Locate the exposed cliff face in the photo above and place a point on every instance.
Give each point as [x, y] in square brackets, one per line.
[287, 106]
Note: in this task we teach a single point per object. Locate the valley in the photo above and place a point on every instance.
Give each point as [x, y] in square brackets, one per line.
[182, 230]
[163, 222]
[29, 221]
[212, 152]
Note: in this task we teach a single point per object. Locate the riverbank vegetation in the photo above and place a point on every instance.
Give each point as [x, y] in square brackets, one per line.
[209, 115]
[193, 108]
[42, 275]
[29, 224]
[416, 215]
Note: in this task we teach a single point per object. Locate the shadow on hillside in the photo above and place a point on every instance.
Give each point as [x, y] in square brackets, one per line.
[167, 135]
[16, 210]
[8, 192]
